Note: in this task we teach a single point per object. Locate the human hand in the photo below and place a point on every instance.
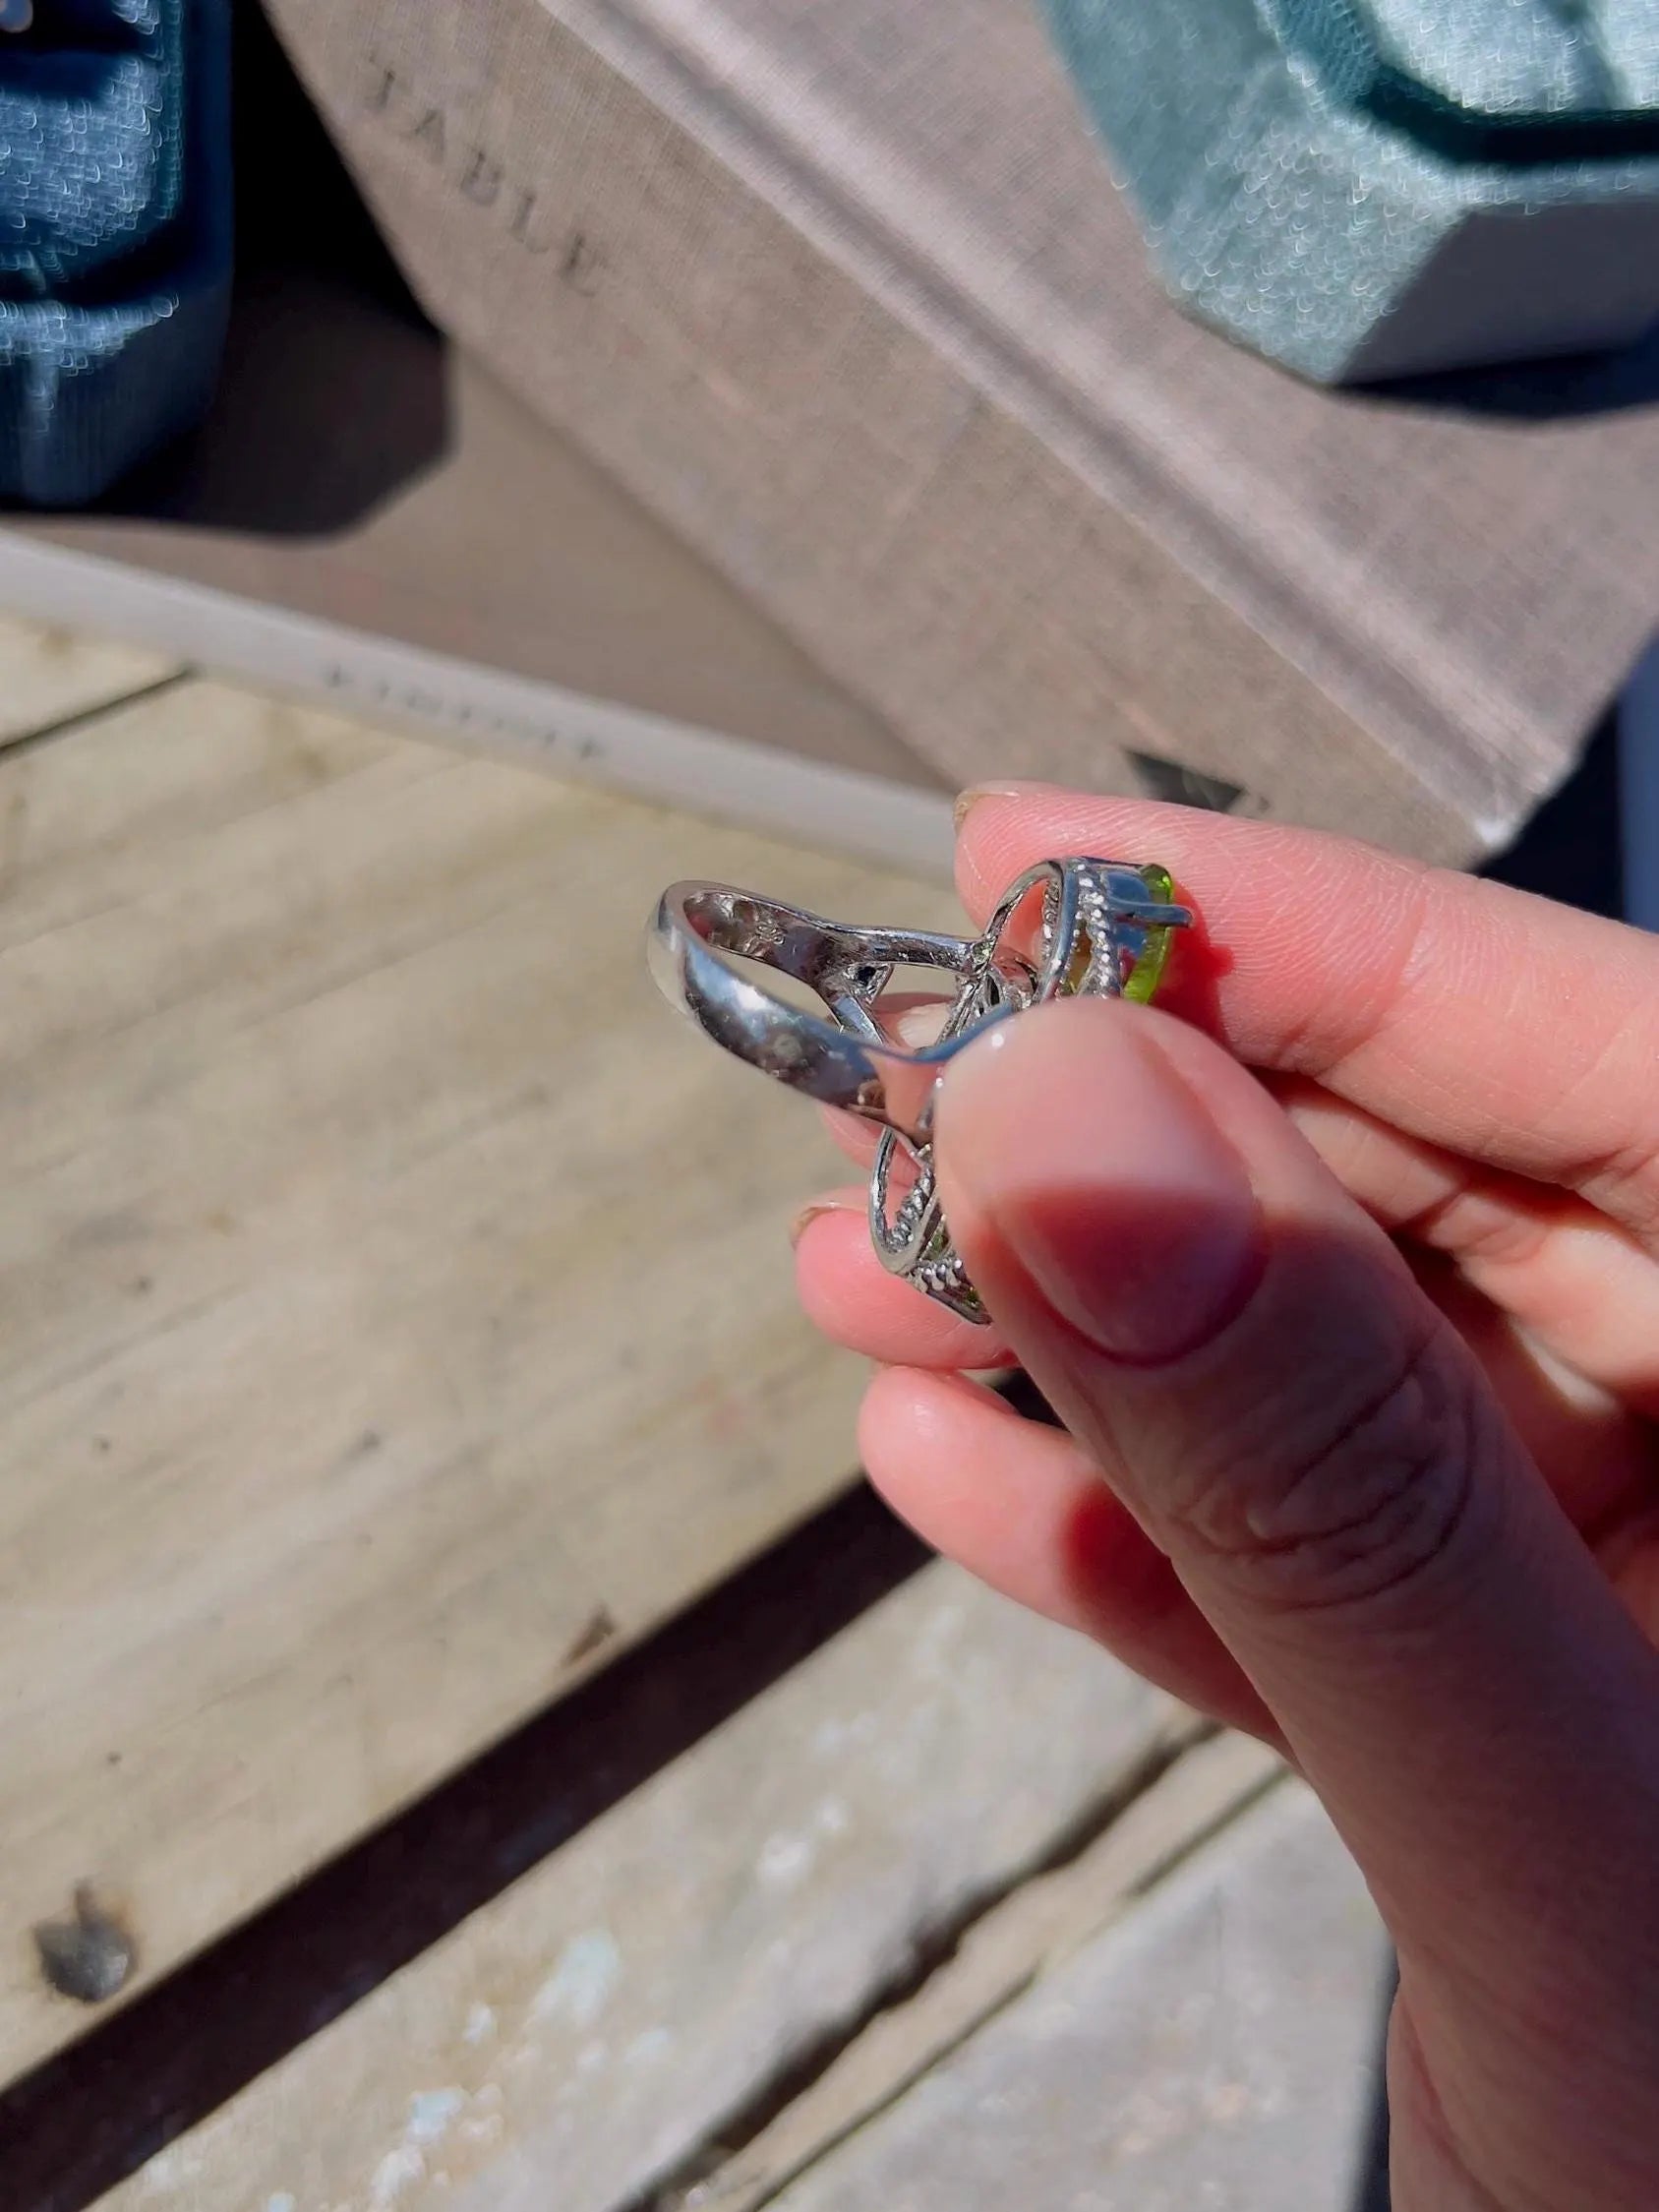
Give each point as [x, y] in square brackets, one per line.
[1366, 1347]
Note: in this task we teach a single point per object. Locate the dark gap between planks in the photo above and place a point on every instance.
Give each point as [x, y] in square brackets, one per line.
[92, 2113]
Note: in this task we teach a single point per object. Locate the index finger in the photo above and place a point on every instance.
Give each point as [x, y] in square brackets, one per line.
[1494, 1024]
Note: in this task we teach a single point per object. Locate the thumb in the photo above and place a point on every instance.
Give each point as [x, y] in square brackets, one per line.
[1260, 1378]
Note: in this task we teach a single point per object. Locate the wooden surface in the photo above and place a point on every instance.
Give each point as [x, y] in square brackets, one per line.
[1217, 2049]
[394, 1309]
[392, 1328]
[592, 2039]
[996, 1961]
[49, 676]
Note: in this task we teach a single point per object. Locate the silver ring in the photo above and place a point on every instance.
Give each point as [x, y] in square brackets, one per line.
[1104, 932]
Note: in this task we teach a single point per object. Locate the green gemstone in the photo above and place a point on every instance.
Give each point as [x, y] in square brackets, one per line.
[1148, 971]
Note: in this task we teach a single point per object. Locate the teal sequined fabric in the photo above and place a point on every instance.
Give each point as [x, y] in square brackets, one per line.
[1374, 188]
[92, 137]
[1504, 61]
[115, 241]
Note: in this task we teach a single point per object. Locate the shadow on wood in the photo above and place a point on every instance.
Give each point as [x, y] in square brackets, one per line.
[78, 2124]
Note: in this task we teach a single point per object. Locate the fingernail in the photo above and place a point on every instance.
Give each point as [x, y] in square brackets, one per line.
[808, 1215]
[968, 799]
[1069, 1147]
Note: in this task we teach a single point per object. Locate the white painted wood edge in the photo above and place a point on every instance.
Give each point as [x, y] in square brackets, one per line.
[647, 757]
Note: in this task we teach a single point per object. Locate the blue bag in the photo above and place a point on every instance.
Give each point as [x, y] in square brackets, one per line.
[115, 237]
[1368, 189]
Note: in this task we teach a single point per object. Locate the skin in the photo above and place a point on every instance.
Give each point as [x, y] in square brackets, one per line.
[1340, 1268]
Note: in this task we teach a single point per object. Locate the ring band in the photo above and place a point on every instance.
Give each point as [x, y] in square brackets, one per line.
[841, 1058]
[1105, 932]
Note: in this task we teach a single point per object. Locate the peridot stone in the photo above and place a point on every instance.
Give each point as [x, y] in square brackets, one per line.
[1148, 971]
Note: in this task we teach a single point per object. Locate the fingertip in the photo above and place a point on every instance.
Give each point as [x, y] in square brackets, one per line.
[824, 1236]
[816, 1209]
[850, 1295]
[856, 1140]
[939, 1448]
[1006, 827]
[924, 1409]
[1091, 1187]
[987, 817]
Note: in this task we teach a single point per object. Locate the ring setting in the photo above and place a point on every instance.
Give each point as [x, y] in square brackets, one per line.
[1073, 928]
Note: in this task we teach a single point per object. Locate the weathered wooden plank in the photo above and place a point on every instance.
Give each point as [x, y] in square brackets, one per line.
[1217, 2047]
[392, 1299]
[1039, 1923]
[663, 1976]
[47, 675]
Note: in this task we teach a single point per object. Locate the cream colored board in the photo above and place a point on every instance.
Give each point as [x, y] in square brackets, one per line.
[48, 676]
[388, 1286]
[595, 2032]
[1219, 2048]
[1034, 1929]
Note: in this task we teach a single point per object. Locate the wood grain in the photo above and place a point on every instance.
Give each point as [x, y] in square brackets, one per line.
[590, 2039]
[393, 1301]
[51, 674]
[1038, 1926]
[1217, 2048]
